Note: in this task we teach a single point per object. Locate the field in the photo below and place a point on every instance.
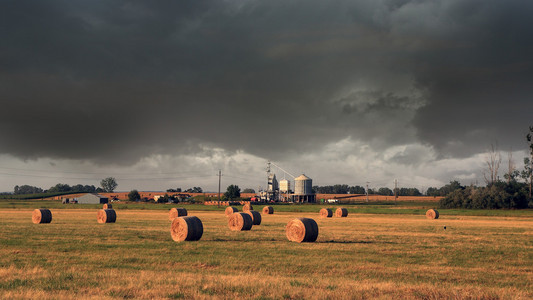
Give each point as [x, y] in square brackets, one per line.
[376, 252]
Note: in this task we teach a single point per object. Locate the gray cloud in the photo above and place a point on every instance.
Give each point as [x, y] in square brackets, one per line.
[119, 81]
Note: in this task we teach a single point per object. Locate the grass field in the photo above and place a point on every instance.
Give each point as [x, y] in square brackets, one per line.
[366, 255]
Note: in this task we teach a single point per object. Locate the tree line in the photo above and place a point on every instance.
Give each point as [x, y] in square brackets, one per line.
[514, 192]
[108, 185]
[58, 188]
[346, 189]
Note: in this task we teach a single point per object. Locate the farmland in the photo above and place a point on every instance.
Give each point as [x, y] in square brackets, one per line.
[376, 252]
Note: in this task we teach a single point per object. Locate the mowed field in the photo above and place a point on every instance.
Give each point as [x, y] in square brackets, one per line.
[359, 257]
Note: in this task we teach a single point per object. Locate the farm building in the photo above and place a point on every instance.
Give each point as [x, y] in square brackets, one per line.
[92, 199]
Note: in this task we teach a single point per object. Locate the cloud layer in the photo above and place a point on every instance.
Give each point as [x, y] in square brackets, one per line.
[118, 82]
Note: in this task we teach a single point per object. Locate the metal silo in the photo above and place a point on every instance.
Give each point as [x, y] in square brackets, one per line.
[284, 185]
[303, 185]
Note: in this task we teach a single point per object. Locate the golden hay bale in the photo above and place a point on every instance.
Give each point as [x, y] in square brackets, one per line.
[341, 212]
[176, 212]
[186, 229]
[326, 213]
[268, 210]
[302, 230]
[240, 221]
[432, 214]
[256, 217]
[41, 215]
[230, 210]
[247, 207]
[106, 216]
[107, 206]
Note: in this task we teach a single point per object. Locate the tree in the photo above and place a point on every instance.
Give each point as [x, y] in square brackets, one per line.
[512, 172]
[134, 195]
[248, 191]
[195, 189]
[108, 184]
[357, 189]
[385, 191]
[60, 187]
[529, 167]
[493, 161]
[232, 192]
[27, 189]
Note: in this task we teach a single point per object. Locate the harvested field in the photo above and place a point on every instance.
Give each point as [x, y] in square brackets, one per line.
[360, 256]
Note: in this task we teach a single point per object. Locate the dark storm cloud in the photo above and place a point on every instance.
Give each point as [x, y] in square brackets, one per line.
[116, 81]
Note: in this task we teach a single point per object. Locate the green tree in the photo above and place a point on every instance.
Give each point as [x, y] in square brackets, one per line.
[385, 191]
[27, 189]
[232, 192]
[108, 184]
[60, 187]
[527, 174]
[248, 190]
[134, 195]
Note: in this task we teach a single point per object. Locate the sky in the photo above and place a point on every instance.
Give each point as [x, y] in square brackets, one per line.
[164, 94]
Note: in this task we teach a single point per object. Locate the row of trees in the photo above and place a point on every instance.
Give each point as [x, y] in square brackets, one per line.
[108, 185]
[514, 192]
[345, 189]
[195, 189]
[498, 195]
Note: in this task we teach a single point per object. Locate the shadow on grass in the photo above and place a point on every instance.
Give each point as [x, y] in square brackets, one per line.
[345, 242]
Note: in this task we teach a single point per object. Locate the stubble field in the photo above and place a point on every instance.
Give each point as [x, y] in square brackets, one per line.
[359, 257]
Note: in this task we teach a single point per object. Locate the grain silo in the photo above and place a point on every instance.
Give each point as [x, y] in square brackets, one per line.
[303, 189]
[284, 186]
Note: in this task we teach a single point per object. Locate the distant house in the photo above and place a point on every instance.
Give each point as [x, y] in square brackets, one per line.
[92, 199]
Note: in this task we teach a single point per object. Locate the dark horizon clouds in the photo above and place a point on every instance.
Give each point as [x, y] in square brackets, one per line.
[118, 81]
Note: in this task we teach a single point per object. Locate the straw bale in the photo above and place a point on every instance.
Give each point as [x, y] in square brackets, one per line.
[302, 230]
[107, 206]
[41, 215]
[256, 217]
[268, 210]
[106, 216]
[341, 212]
[176, 212]
[186, 229]
[240, 221]
[432, 214]
[247, 207]
[230, 210]
[326, 213]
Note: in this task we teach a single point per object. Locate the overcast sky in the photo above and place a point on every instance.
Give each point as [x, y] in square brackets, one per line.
[163, 94]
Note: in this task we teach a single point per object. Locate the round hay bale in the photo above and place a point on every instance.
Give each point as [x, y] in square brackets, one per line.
[302, 230]
[268, 210]
[256, 217]
[106, 216]
[230, 210]
[432, 214]
[107, 206]
[247, 207]
[341, 212]
[240, 221]
[176, 212]
[326, 213]
[186, 229]
[41, 215]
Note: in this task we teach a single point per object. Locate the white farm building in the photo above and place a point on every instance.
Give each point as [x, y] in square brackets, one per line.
[92, 199]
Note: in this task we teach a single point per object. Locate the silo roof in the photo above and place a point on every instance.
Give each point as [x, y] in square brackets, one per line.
[302, 177]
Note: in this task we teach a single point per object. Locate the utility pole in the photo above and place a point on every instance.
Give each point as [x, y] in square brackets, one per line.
[219, 175]
[367, 191]
[395, 190]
